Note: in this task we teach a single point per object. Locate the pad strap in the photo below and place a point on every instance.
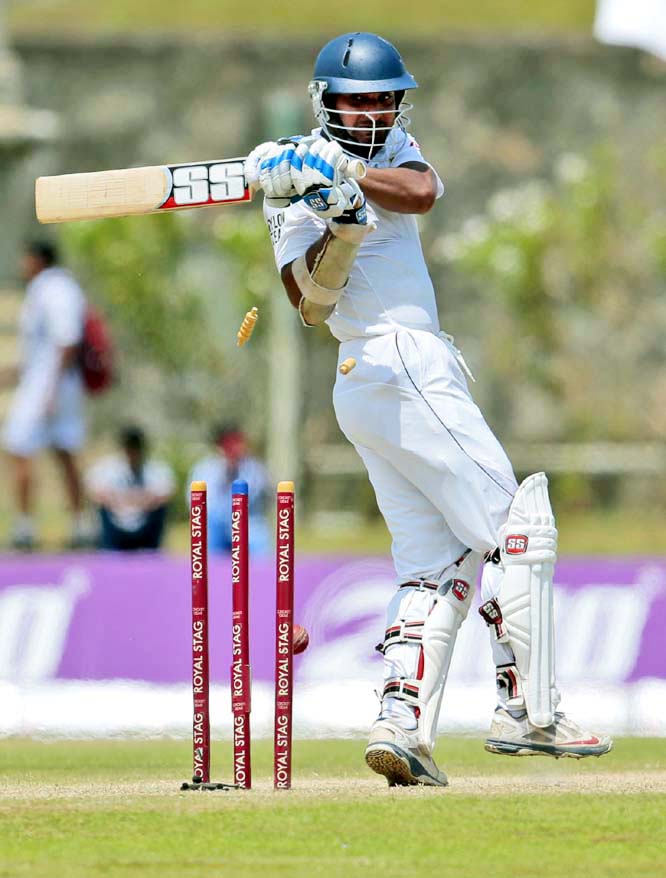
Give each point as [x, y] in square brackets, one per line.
[508, 680]
[404, 689]
[407, 632]
[420, 584]
[491, 614]
[403, 632]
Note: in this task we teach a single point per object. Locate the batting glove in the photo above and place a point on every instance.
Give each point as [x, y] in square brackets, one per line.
[356, 209]
[254, 160]
[268, 167]
[337, 201]
[317, 164]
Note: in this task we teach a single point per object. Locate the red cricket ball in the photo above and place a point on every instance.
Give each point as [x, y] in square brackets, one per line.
[301, 639]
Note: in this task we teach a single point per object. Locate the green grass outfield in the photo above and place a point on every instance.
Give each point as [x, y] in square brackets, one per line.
[392, 17]
[74, 809]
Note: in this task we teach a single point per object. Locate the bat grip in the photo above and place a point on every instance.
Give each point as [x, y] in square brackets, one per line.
[356, 169]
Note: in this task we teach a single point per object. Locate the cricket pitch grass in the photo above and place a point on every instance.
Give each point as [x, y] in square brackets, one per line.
[113, 808]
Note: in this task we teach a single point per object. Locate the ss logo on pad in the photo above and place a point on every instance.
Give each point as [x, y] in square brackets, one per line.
[516, 544]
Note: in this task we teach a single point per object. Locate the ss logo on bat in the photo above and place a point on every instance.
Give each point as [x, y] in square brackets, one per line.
[208, 182]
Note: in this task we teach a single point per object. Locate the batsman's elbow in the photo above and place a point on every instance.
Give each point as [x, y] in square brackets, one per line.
[291, 288]
[424, 202]
[311, 313]
[425, 193]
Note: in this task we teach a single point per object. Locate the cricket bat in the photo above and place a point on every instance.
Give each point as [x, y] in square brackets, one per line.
[135, 191]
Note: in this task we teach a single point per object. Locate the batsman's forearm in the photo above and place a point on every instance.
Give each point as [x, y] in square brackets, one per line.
[292, 288]
[318, 278]
[401, 190]
[313, 314]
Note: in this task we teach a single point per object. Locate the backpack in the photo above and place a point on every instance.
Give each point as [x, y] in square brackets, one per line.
[96, 354]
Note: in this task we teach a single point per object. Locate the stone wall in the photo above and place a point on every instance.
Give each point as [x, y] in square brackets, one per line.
[489, 114]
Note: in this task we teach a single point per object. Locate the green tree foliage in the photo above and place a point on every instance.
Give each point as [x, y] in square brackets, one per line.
[568, 270]
[175, 288]
[133, 267]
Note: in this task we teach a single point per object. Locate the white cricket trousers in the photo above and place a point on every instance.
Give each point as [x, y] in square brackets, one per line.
[442, 480]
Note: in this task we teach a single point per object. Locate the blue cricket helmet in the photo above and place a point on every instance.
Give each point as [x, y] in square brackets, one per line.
[359, 63]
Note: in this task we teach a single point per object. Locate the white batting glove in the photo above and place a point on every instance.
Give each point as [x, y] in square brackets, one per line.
[254, 160]
[268, 167]
[345, 199]
[319, 163]
[275, 172]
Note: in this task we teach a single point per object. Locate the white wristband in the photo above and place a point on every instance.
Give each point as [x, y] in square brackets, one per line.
[352, 233]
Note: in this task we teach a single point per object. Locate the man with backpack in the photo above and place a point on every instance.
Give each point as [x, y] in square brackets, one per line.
[47, 410]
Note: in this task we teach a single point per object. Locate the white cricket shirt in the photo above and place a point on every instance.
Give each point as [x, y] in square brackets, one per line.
[51, 318]
[389, 286]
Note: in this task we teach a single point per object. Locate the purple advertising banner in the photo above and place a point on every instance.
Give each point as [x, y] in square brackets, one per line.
[107, 617]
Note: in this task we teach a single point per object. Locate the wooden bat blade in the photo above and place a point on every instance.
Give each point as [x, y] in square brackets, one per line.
[101, 194]
[134, 191]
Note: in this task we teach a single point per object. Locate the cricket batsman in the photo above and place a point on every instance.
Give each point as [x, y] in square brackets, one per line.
[349, 255]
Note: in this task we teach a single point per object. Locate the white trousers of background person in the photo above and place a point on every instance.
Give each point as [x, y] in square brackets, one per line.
[28, 429]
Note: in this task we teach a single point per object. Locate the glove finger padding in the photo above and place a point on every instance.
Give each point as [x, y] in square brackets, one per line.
[317, 164]
[275, 172]
[254, 160]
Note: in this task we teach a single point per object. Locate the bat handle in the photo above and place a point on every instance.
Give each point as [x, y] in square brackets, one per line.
[356, 169]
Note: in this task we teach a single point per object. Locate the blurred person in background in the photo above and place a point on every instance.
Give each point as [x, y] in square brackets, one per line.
[131, 493]
[47, 410]
[232, 460]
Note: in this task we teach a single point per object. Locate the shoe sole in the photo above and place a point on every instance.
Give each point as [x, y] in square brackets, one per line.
[387, 760]
[506, 748]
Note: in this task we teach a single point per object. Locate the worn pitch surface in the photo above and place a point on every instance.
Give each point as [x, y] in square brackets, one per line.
[115, 809]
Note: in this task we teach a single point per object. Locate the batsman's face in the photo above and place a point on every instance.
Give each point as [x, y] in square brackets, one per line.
[360, 113]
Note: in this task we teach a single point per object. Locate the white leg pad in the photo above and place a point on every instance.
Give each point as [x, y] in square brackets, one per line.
[528, 547]
[423, 623]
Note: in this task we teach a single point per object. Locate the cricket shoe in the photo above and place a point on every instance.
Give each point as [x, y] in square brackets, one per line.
[518, 737]
[400, 757]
